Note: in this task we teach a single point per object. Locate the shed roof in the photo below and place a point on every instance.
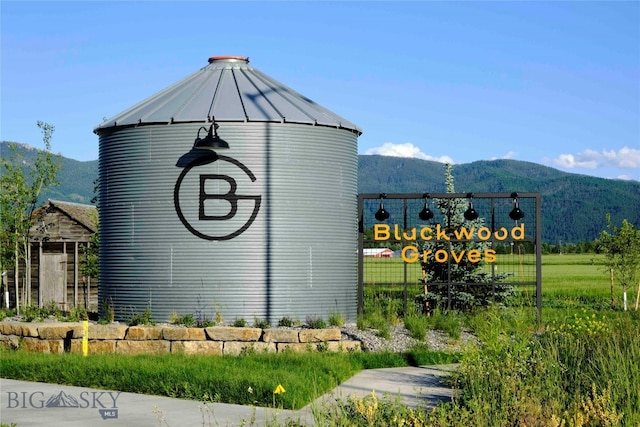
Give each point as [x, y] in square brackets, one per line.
[228, 89]
[85, 215]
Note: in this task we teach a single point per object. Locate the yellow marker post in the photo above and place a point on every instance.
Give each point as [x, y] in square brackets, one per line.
[279, 389]
[85, 337]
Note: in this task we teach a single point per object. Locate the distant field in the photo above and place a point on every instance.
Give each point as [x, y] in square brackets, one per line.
[568, 281]
[585, 273]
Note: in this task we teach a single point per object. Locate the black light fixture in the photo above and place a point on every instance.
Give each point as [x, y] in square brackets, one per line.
[470, 214]
[425, 214]
[382, 214]
[515, 213]
[212, 141]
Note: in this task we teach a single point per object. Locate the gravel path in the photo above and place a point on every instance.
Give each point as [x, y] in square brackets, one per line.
[400, 339]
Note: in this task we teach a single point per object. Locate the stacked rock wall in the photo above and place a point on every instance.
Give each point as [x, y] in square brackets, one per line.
[123, 339]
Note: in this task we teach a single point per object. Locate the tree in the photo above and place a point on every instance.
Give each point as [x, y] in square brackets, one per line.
[621, 247]
[469, 277]
[20, 186]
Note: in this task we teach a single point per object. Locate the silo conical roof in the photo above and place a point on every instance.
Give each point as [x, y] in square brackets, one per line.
[227, 89]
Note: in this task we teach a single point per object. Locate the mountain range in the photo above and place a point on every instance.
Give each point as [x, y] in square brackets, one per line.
[574, 206]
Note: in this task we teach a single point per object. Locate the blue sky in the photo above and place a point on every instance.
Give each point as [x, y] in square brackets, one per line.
[554, 83]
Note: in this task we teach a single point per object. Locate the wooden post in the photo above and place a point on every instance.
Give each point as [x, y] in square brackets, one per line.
[638, 296]
[87, 293]
[16, 282]
[5, 291]
[64, 295]
[40, 275]
[75, 273]
[27, 273]
[426, 291]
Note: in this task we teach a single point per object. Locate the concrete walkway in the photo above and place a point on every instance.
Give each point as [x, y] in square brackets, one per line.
[30, 404]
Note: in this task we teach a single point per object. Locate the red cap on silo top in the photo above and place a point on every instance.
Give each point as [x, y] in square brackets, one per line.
[228, 57]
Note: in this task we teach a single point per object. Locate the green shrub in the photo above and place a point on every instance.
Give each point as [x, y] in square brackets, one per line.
[144, 318]
[107, 312]
[260, 323]
[206, 323]
[315, 322]
[240, 323]
[336, 319]
[77, 314]
[187, 320]
[52, 309]
[449, 322]
[31, 313]
[416, 324]
[4, 313]
[323, 347]
[286, 322]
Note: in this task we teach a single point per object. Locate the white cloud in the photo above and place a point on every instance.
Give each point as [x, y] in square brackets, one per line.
[626, 177]
[510, 155]
[569, 161]
[590, 159]
[406, 150]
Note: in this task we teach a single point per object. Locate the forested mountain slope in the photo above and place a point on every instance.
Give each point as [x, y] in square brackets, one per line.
[573, 206]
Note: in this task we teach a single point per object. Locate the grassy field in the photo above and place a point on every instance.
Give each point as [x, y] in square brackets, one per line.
[568, 281]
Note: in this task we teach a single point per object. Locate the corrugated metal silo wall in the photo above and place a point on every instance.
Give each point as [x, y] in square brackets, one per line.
[298, 258]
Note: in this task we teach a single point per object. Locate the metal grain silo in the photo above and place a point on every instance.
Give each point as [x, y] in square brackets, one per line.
[263, 229]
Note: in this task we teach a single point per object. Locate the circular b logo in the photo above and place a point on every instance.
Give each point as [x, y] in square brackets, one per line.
[207, 199]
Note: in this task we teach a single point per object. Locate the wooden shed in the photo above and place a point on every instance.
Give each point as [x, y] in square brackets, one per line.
[59, 231]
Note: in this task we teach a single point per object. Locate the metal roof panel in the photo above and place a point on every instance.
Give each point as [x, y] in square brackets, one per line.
[227, 89]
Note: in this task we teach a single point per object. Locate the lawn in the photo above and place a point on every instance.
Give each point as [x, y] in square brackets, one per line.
[568, 281]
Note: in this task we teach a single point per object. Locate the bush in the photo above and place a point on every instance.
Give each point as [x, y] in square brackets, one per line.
[314, 322]
[186, 320]
[144, 318]
[260, 323]
[107, 311]
[286, 322]
[449, 322]
[77, 314]
[336, 319]
[52, 309]
[4, 313]
[416, 324]
[239, 323]
[31, 313]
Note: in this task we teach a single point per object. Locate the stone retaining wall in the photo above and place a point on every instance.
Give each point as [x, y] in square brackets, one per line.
[123, 339]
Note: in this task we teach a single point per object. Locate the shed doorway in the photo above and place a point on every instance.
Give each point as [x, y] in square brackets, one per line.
[54, 275]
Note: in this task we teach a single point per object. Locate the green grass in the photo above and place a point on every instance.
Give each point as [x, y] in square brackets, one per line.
[390, 271]
[568, 281]
[577, 281]
[241, 380]
[580, 368]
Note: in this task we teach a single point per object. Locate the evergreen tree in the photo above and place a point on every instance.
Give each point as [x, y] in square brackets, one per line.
[459, 284]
